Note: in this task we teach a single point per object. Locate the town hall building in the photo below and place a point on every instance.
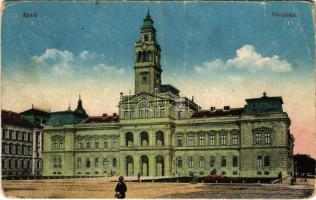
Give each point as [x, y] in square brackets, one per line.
[159, 133]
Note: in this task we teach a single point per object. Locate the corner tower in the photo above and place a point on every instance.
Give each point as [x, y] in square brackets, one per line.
[147, 64]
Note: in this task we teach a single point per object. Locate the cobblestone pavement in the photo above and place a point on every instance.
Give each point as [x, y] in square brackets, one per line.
[103, 188]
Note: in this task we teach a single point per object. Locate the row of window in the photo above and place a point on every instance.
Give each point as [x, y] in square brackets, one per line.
[16, 164]
[17, 135]
[201, 161]
[95, 144]
[212, 141]
[144, 113]
[17, 149]
[144, 138]
[262, 161]
[87, 162]
[262, 138]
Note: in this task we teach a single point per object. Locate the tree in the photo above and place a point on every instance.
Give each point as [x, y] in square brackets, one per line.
[305, 164]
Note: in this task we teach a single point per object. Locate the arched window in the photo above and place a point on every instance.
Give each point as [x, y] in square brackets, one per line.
[87, 162]
[150, 56]
[259, 161]
[144, 56]
[159, 138]
[145, 37]
[144, 141]
[139, 56]
[179, 162]
[114, 163]
[223, 161]
[129, 139]
[267, 161]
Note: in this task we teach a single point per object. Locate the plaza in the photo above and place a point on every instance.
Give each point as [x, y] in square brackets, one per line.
[104, 188]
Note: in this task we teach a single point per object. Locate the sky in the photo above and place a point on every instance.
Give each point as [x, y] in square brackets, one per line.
[219, 52]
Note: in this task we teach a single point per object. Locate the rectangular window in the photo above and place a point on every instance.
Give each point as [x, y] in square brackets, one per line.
[11, 133]
[96, 162]
[190, 140]
[88, 144]
[3, 133]
[212, 140]
[105, 144]
[96, 144]
[258, 138]
[161, 112]
[235, 139]
[201, 162]
[87, 162]
[235, 161]
[78, 162]
[14, 136]
[126, 114]
[105, 162]
[223, 161]
[179, 141]
[114, 163]
[212, 161]
[114, 143]
[267, 138]
[190, 161]
[29, 137]
[223, 139]
[201, 140]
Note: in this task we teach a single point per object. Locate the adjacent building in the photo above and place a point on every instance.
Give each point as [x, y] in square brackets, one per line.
[21, 142]
[157, 132]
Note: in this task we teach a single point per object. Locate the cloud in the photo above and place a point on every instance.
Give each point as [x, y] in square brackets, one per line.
[85, 55]
[108, 69]
[64, 62]
[247, 58]
[59, 61]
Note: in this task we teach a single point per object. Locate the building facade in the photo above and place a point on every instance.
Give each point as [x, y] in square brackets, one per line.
[21, 142]
[157, 132]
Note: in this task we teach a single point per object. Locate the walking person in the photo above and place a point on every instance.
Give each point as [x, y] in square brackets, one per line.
[120, 188]
[280, 177]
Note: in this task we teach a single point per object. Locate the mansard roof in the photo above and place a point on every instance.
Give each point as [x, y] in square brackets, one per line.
[102, 119]
[14, 119]
[65, 118]
[218, 113]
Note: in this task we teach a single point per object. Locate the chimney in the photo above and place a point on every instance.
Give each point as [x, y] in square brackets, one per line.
[104, 115]
[226, 108]
[213, 109]
[192, 98]
[114, 115]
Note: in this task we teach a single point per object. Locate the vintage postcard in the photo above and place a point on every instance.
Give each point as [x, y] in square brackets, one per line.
[161, 99]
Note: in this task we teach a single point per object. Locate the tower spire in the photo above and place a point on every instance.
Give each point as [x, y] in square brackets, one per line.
[69, 108]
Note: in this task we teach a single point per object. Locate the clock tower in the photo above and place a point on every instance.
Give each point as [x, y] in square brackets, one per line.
[147, 64]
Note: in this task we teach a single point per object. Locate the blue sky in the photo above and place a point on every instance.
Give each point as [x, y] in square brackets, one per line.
[227, 51]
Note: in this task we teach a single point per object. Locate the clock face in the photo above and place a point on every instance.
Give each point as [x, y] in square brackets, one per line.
[144, 46]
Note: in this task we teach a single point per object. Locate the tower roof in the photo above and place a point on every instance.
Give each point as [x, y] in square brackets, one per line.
[148, 22]
[80, 108]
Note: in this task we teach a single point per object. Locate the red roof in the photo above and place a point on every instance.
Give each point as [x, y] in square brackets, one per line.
[14, 119]
[218, 113]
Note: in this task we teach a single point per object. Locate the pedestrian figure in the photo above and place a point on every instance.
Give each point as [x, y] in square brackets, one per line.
[305, 177]
[280, 177]
[120, 188]
[138, 177]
